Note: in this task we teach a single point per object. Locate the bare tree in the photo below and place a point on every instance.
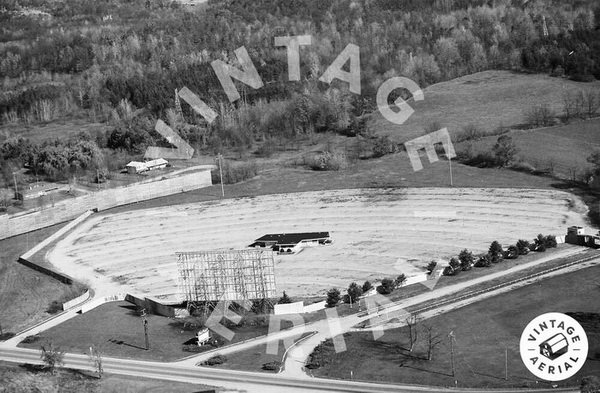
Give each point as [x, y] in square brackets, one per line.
[592, 103]
[433, 340]
[580, 104]
[569, 106]
[550, 166]
[52, 356]
[573, 174]
[540, 116]
[96, 358]
[413, 333]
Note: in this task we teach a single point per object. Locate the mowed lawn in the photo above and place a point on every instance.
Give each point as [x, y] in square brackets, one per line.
[564, 147]
[117, 329]
[15, 378]
[483, 332]
[26, 294]
[254, 358]
[487, 99]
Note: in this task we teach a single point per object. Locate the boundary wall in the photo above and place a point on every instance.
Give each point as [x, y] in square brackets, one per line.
[76, 301]
[191, 179]
[24, 259]
[152, 306]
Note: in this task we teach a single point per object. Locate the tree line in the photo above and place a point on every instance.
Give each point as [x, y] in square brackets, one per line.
[144, 59]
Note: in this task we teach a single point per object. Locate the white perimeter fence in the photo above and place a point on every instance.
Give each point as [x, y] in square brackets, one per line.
[191, 179]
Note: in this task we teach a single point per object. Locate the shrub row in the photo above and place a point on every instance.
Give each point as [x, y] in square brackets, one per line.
[496, 254]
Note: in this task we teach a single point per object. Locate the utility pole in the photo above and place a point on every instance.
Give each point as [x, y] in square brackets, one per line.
[451, 337]
[16, 189]
[145, 323]
[506, 364]
[450, 163]
[220, 158]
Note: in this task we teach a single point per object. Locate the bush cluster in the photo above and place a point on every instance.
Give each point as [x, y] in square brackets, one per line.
[321, 355]
[234, 173]
[215, 360]
[272, 366]
[496, 254]
[327, 161]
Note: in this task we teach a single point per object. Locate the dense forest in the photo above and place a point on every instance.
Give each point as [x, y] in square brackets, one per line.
[120, 61]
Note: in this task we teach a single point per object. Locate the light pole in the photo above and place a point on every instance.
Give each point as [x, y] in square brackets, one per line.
[145, 323]
[220, 158]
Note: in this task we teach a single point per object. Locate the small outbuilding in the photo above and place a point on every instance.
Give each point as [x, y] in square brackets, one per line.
[135, 167]
[578, 236]
[159, 163]
[203, 336]
[36, 190]
[139, 167]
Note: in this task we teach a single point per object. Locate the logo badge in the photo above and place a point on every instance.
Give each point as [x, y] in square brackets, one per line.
[554, 346]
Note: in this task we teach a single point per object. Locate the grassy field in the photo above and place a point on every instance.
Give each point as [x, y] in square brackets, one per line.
[253, 359]
[117, 329]
[22, 379]
[563, 148]
[483, 331]
[59, 129]
[488, 99]
[25, 294]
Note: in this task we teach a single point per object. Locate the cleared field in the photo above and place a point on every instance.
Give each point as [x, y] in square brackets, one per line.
[57, 129]
[487, 99]
[376, 233]
[565, 147]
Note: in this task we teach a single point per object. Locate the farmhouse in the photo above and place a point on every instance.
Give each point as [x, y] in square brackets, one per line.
[292, 242]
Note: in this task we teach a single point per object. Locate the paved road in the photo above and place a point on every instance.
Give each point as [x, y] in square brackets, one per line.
[234, 380]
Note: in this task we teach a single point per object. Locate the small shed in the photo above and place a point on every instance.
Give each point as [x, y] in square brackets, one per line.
[577, 235]
[136, 167]
[555, 346]
[203, 336]
[159, 163]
